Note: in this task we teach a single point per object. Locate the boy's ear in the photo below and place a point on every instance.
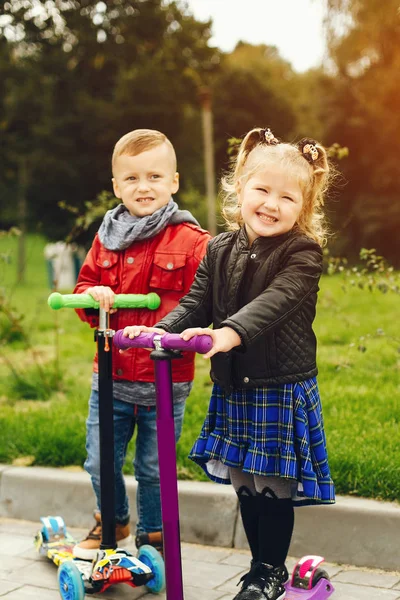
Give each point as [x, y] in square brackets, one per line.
[175, 183]
[116, 188]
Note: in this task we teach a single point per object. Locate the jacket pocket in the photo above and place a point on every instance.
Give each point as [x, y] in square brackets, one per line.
[107, 261]
[167, 271]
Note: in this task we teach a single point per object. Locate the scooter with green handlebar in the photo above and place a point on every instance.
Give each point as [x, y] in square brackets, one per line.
[77, 577]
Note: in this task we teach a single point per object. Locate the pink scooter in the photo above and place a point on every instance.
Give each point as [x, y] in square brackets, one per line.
[308, 581]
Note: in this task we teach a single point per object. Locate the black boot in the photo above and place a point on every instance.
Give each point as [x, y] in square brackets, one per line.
[282, 573]
[263, 582]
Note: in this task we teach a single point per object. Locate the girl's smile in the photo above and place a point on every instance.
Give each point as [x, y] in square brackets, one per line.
[271, 201]
[266, 218]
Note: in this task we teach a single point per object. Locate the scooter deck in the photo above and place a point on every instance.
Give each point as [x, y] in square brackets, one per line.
[54, 541]
[321, 591]
[57, 546]
[60, 550]
[109, 567]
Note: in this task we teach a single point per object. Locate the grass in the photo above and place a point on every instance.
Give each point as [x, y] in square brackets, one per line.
[42, 415]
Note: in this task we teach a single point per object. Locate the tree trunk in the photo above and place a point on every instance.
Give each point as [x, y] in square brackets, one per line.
[205, 98]
[22, 217]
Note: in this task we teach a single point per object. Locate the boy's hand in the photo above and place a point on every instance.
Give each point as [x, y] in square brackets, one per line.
[104, 295]
[224, 339]
[133, 331]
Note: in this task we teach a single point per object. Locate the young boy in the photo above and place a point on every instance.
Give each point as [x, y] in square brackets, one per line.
[143, 245]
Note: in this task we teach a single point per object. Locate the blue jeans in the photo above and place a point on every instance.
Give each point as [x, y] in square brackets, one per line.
[126, 418]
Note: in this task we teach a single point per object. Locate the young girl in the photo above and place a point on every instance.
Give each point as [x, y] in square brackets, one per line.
[258, 286]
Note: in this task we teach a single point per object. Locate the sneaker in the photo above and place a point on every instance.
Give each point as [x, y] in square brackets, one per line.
[87, 548]
[263, 582]
[154, 538]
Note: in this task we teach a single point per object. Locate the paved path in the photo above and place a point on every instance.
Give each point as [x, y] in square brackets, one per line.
[210, 573]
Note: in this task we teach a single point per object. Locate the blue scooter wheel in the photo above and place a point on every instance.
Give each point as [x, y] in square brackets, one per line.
[153, 559]
[70, 581]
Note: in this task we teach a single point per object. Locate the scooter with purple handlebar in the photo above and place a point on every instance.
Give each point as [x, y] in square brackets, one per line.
[112, 565]
[167, 347]
[308, 580]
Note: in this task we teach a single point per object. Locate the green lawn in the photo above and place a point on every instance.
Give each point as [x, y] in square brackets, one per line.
[358, 356]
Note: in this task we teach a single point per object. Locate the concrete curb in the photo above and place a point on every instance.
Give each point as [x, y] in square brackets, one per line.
[355, 531]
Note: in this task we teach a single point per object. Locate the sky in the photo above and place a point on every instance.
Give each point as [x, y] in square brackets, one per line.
[294, 26]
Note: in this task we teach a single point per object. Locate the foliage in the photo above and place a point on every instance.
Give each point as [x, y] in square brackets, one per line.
[35, 377]
[375, 274]
[78, 75]
[246, 96]
[39, 380]
[92, 216]
[10, 321]
[12, 232]
[37, 383]
[363, 115]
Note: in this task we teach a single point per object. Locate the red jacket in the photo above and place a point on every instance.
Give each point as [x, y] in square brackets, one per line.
[165, 264]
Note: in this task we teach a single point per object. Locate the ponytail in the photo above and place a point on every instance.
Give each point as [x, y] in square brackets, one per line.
[255, 137]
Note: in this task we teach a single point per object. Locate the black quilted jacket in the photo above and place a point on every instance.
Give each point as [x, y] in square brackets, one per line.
[267, 293]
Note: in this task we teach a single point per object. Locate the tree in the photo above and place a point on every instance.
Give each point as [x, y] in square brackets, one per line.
[365, 117]
[81, 74]
[249, 91]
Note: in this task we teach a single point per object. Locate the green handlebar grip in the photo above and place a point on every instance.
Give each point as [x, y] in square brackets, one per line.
[151, 301]
[57, 301]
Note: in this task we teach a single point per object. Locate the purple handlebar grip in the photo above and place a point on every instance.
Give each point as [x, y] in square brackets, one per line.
[169, 341]
[198, 343]
[144, 340]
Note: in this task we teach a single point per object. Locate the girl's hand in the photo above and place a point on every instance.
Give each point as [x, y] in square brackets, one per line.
[133, 331]
[104, 296]
[224, 339]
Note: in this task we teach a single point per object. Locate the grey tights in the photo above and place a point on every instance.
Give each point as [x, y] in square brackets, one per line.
[267, 514]
[270, 486]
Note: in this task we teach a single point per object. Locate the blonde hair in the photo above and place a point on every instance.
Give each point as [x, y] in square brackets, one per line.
[138, 141]
[256, 151]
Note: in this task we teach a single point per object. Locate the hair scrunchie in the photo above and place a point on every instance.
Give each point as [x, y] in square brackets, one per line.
[267, 137]
[309, 150]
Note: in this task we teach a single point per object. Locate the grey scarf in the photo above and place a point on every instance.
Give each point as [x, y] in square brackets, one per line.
[120, 229]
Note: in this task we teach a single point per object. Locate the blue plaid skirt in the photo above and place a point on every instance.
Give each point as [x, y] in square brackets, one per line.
[274, 430]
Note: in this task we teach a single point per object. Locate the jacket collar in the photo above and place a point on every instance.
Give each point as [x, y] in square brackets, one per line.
[263, 243]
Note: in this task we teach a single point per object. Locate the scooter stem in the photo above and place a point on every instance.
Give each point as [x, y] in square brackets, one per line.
[106, 432]
[168, 477]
